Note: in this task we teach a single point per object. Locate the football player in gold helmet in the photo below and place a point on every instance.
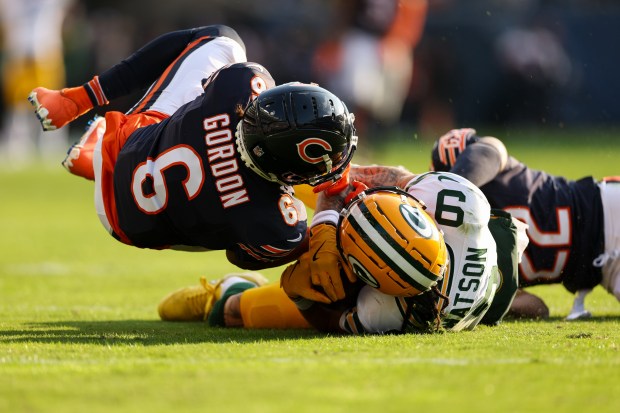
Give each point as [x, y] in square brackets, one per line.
[376, 252]
[472, 289]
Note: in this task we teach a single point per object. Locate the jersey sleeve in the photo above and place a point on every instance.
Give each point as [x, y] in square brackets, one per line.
[479, 163]
[275, 241]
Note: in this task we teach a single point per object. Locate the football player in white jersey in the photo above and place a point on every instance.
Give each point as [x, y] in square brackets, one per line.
[477, 286]
[469, 286]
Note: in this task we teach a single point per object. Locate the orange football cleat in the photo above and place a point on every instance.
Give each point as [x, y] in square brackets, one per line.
[79, 159]
[56, 108]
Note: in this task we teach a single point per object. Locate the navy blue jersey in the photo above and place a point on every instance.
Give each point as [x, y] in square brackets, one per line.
[565, 221]
[181, 183]
[565, 217]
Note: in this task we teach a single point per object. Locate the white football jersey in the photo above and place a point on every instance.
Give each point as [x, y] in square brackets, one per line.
[462, 212]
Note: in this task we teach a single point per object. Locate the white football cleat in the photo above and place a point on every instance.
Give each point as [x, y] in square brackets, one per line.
[579, 312]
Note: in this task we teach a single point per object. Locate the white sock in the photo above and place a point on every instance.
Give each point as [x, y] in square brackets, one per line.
[231, 281]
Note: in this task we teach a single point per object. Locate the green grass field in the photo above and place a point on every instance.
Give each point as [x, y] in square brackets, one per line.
[79, 329]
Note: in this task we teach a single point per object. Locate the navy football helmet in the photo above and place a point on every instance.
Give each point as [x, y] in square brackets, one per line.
[297, 133]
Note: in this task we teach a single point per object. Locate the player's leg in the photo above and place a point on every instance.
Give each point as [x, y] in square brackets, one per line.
[269, 307]
[211, 48]
[578, 311]
[79, 159]
[200, 301]
[233, 301]
[56, 108]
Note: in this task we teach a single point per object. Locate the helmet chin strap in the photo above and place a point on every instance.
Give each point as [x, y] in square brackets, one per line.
[328, 167]
[328, 162]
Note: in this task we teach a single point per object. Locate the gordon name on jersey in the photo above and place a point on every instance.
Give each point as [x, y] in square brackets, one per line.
[188, 183]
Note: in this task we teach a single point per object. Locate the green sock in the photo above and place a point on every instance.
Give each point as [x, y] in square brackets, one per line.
[216, 317]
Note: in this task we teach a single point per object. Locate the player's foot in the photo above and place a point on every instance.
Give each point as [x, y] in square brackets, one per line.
[578, 311]
[56, 108]
[196, 302]
[578, 315]
[79, 159]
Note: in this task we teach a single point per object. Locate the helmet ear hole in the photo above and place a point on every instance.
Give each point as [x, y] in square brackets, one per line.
[390, 242]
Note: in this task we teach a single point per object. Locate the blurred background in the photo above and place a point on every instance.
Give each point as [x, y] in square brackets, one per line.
[408, 69]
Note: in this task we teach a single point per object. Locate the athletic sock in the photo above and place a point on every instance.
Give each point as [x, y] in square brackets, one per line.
[216, 316]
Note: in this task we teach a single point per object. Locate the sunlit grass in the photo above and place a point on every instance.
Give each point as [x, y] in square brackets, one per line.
[79, 329]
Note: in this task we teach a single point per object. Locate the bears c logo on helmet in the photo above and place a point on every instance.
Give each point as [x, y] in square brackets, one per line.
[302, 149]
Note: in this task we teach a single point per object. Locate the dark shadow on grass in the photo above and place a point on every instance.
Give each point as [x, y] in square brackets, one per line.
[155, 332]
[144, 332]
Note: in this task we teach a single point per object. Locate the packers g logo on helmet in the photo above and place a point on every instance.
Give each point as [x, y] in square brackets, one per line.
[387, 239]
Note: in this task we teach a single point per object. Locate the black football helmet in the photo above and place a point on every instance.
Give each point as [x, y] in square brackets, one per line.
[297, 133]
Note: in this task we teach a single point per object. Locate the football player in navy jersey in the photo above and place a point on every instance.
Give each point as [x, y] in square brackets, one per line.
[574, 226]
[207, 158]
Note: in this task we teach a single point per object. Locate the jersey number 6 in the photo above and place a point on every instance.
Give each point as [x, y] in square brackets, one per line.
[156, 201]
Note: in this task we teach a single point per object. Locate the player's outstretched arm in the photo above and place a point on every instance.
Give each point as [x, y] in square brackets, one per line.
[380, 175]
[481, 162]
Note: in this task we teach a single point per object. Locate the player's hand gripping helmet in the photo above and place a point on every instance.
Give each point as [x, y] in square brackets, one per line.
[297, 133]
[387, 239]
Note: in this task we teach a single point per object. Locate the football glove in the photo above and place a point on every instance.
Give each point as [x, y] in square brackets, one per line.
[325, 261]
[358, 188]
[332, 188]
[296, 281]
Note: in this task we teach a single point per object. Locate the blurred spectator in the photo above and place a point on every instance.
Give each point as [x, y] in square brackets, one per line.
[32, 55]
[495, 63]
[482, 62]
[368, 61]
[533, 66]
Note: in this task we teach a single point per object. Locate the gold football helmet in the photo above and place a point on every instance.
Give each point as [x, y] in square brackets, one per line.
[387, 239]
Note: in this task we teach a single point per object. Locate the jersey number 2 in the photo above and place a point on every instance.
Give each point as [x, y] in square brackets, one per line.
[559, 240]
